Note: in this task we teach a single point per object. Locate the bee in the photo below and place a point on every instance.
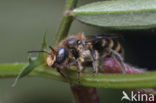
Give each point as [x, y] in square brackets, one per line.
[63, 55]
[78, 49]
[85, 48]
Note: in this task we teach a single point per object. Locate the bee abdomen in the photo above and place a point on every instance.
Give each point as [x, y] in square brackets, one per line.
[109, 44]
[117, 47]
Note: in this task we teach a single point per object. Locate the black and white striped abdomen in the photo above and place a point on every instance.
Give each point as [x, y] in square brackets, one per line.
[103, 44]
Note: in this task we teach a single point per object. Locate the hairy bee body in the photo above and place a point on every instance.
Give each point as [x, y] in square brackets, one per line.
[84, 48]
[78, 49]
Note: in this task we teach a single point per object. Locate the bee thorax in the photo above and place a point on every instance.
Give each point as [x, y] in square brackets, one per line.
[85, 54]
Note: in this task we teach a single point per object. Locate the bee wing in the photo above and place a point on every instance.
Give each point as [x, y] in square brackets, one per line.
[96, 38]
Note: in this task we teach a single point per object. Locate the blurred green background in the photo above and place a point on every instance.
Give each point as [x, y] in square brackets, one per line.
[22, 25]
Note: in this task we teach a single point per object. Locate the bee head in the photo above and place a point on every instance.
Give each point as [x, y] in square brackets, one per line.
[51, 57]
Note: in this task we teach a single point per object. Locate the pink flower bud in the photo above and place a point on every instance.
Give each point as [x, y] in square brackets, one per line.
[111, 65]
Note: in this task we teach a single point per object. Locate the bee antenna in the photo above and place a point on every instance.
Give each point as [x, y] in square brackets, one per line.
[41, 51]
[52, 48]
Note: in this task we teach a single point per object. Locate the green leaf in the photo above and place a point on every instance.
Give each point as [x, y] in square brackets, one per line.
[33, 62]
[44, 47]
[44, 43]
[119, 14]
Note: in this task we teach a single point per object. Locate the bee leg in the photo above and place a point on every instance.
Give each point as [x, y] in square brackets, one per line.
[79, 68]
[87, 64]
[95, 57]
[118, 57]
[64, 66]
[66, 78]
[58, 70]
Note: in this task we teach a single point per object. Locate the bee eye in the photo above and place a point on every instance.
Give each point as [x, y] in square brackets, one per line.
[62, 54]
[79, 42]
[71, 41]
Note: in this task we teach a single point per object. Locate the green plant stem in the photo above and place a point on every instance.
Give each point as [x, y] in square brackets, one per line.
[143, 80]
[65, 21]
